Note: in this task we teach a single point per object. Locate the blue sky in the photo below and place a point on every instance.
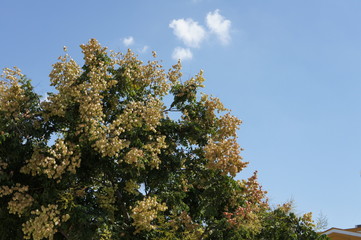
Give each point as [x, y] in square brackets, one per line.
[289, 69]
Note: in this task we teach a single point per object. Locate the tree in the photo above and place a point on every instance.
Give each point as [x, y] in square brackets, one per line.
[107, 157]
[282, 224]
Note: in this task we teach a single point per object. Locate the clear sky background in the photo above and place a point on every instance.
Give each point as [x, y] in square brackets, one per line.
[291, 70]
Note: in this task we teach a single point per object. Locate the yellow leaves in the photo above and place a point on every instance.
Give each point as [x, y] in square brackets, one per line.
[45, 223]
[145, 212]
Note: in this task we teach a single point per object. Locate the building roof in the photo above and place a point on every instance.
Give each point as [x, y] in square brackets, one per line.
[343, 234]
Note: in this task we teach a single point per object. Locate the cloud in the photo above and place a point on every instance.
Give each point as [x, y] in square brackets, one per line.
[189, 31]
[45, 98]
[128, 41]
[219, 26]
[182, 54]
[144, 49]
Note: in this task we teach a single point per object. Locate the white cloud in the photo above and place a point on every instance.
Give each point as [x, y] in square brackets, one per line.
[182, 53]
[128, 41]
[219, 26]
[189, 31]
[45, 98]
[144, 49]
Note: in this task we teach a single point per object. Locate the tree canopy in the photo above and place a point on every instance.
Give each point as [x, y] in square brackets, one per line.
[125, 150]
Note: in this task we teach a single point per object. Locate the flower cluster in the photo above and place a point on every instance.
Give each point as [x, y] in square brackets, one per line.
[62, 157]
[45, 223]
[145, 212]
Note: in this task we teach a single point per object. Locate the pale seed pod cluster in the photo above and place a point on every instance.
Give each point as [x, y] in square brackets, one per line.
[63, 76]
[12, 96]
[54, 162]
[89, 95]
[213, 105]
[196, 81]
[307, 219]
[225, 156]
[174, 73]
[145, 212]
[44, 224]
[222, 150]
[135, 157]
[20, 200]
[154, 149]
[228, 126]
